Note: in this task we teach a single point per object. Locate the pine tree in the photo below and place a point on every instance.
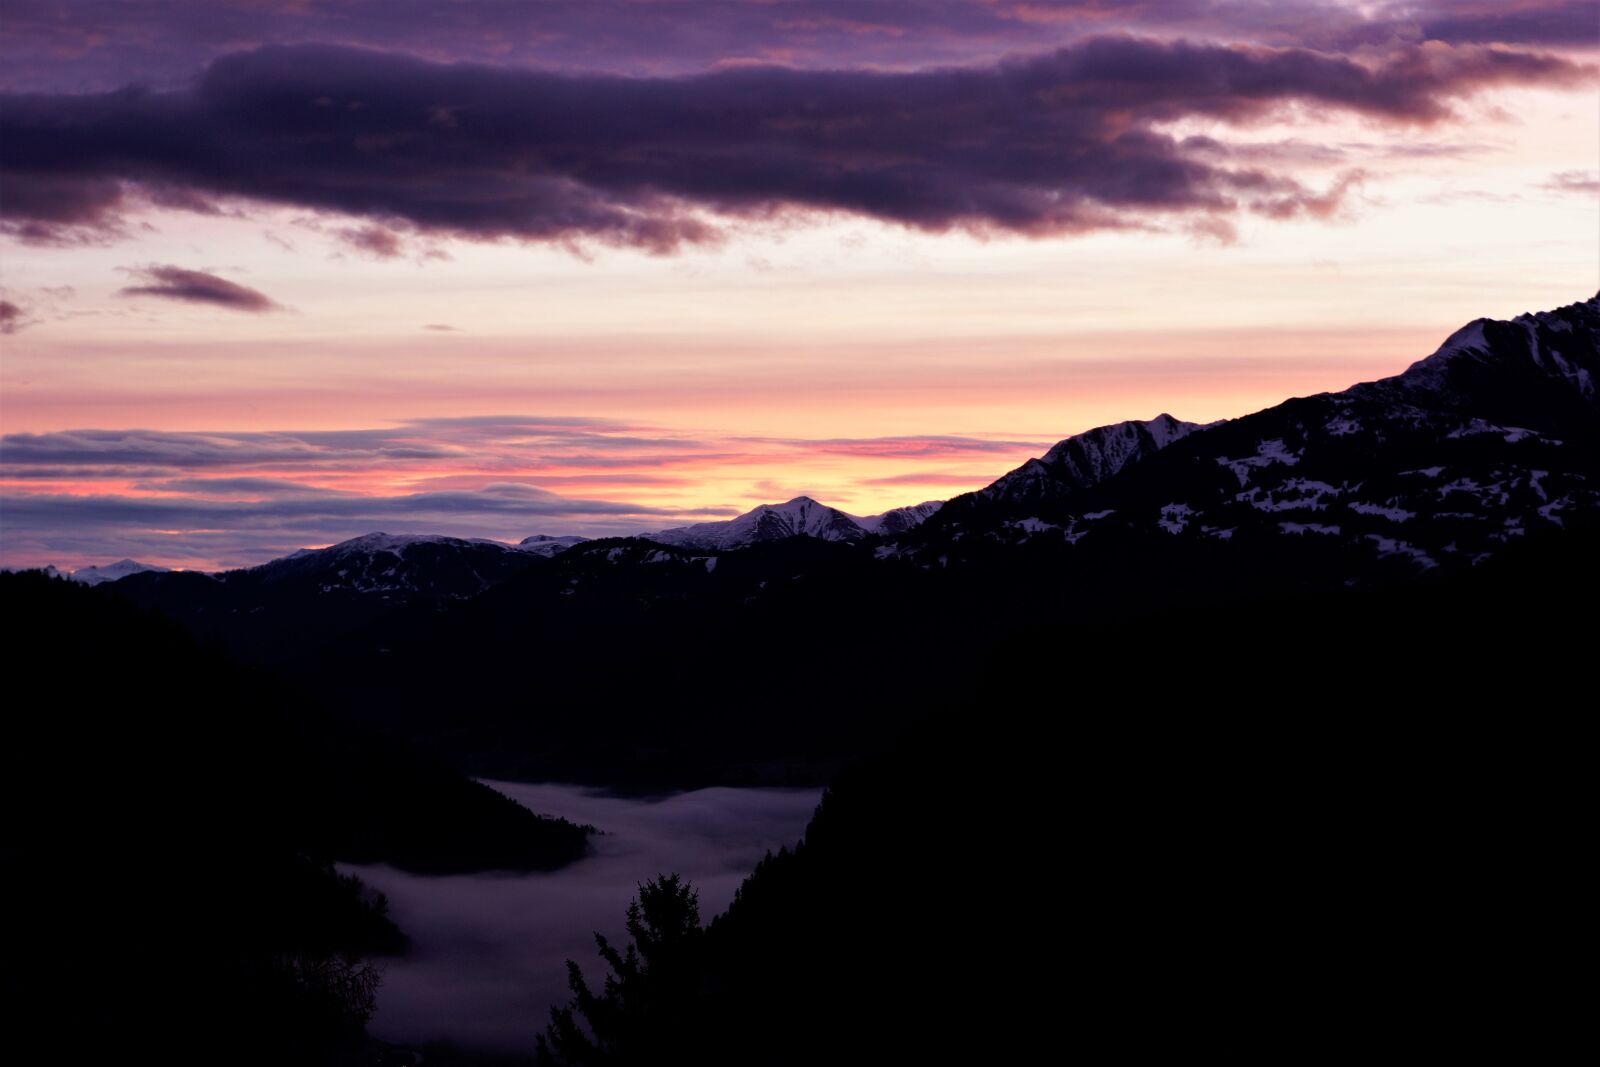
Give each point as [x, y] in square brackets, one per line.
[646, 1006]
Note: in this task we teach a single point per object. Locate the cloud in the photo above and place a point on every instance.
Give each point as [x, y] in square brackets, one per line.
[1542, 22]
[210, 499]
[313, 511]
[374, 241]
[1046, 145]
[12, 317]
[189, 451]
[86, 47]
[200, 529]
[956, 479]
[908, 447]
[1586, 182]
[239, 487]
[441, 327]
[491, 950]
[196, 287]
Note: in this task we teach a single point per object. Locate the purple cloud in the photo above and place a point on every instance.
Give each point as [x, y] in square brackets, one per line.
[12, 317]
[199, 525]
[1586, 182]
[1053, 144]
[196, 287]
[1565, 23]
[374, 241]
[92, 45]
[907, 447]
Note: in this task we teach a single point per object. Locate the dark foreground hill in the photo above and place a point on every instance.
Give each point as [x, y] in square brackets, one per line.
[1289, 831]
[171, 823]
[630, 663]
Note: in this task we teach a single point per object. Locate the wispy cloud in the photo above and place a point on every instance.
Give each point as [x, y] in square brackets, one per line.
[223, 498]
[907, 447]
[1585, 182]
[12, 317]
[196, 287]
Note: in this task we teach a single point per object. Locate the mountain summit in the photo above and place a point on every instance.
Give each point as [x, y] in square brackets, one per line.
[1078, 462]
[1495, 435]
[800, 517]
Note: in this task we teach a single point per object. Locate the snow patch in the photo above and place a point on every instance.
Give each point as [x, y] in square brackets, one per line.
[1393, 514]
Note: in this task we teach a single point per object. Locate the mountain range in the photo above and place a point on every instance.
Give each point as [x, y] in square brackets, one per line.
[586, 659]
[1493, 435]
[1490, 436]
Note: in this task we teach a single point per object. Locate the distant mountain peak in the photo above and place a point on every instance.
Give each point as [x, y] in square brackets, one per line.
[1526, 371]
[384, 542]
[1085, 459]
[548, 545]
[112, 572]
[542, 539]
[800, 516]
[1092, 456]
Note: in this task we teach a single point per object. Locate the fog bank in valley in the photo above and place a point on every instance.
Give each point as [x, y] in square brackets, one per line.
[488, 951]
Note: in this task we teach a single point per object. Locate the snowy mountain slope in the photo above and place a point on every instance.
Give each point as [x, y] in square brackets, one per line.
[800, 517]
[1539, 369]
[111, 572]
[547, 545]
[899, 520]
[404, 565]
[1076, 463]
[1492, 440]
[1492, 436]
[1096, 455]
[281, 607]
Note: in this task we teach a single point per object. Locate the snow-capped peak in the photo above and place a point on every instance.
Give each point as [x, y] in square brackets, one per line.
[1087, 458]
[1487, 361]
[111, 572]
[801, 516]
[1091, 457]
[899, 520]
[549, 545]
[379, 542]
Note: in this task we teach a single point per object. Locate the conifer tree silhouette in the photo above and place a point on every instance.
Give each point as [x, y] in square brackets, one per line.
[647, 1002]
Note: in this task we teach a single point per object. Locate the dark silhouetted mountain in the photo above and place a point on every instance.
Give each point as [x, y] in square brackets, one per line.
[548, 545]
[1492, 436]
[1080, 461]
[170, 886]
[899, 520]
[398, 567]
[1297, 827]
[284, 607]
[632, 661]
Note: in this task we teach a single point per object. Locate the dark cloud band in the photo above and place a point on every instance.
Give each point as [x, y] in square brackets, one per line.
[1059, 143]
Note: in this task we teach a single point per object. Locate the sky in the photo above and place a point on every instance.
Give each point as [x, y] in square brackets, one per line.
[275, 273]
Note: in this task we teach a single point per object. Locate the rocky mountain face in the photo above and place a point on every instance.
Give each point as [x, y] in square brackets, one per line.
[546, 545]
[288, 604]
[1492, 440]
[1076, 463]
[1492, 436]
